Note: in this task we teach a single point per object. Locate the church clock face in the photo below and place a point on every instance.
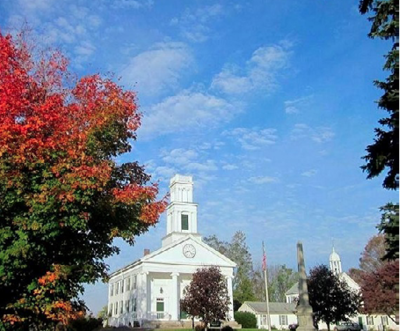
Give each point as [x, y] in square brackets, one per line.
[189, 250]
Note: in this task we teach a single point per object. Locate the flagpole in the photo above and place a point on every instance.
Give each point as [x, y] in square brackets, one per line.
[266, 286]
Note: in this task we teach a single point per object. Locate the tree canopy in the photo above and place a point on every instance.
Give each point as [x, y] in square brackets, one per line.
[331, 298]
[238, 251]
[380, 290]
[383, 154]
[378, 279]
[63, 196]
[207, 295]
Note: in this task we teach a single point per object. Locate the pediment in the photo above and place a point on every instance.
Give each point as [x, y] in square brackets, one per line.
[189, 250]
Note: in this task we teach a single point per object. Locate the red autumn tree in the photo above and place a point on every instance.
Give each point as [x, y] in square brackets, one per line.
[380, 290]
[63, 196]
[207, 296]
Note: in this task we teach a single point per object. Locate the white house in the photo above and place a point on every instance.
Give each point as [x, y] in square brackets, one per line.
[149, 290]
[281, 314]
[375, 321]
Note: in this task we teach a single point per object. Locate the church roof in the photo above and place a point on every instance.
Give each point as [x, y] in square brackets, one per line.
[155, 256]
[293, 290]
[274, 307]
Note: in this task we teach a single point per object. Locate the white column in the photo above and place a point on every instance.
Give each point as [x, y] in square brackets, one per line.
[143, 295]
[230, 293]
[175, 299]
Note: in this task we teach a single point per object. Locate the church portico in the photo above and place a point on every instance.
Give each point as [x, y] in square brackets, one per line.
[151, 288]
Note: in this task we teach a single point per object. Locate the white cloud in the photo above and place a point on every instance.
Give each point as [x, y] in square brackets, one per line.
[194, 25]
[179, 156]
[294, 106]
[230, 167]
[208, 165]
[260, 73]
[319, 135]
[309, 173]
[132, 4]
[253, 139]
[158, 69]
[262, 180]
[186, 111]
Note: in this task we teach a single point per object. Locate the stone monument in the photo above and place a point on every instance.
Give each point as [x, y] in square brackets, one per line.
[304, 310]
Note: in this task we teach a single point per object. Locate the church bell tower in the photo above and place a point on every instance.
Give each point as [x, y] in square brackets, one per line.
[181, 212]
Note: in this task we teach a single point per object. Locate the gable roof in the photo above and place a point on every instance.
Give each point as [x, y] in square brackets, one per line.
[293, 290]
[274, 307]
[154, 256]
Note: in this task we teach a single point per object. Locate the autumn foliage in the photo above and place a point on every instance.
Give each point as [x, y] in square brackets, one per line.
[207, 296]
[380, 290]
[63, 196]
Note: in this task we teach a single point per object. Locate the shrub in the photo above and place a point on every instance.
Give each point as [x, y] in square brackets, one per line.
[85, 324]
[248, 320]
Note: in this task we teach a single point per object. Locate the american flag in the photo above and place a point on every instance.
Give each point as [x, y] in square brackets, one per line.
[264, 260]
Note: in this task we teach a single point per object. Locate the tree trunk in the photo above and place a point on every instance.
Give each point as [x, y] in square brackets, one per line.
[328, 324]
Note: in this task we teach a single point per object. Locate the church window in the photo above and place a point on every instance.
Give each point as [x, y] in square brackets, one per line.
[110, 309]
[185, 222]
[116, 308]
[111, 290]
[370, 320]
[121, 307]
[116, 288]
[128, 284]
[122, 285]
[134, 281]
[384, 320]
[283, 320]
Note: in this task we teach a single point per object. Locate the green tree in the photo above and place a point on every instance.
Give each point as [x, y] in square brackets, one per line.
[63, 196]
[383, 154]
[280, 279]
[238, 251]
[331, 298]
[207, 296]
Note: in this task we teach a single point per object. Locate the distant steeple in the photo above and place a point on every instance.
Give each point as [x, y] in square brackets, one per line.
[335, 263]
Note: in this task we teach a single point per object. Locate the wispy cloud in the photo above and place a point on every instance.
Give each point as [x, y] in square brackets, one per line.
[130, 4]
[309, 173]
[295, 106]
[252, 139]
[158, 69]
[259, 73]
[186, 111]
[262, 180]
[179, 156]
[194, 24]
[319, 135]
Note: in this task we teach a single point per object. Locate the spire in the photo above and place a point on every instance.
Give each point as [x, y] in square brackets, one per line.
[335, 262]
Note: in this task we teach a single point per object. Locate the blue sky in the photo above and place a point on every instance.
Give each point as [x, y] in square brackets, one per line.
[269, 105]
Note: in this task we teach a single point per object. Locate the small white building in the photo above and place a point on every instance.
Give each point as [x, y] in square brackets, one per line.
[281, 314]
[149, 289]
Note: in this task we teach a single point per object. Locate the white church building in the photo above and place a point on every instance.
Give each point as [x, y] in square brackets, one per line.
[149, 290]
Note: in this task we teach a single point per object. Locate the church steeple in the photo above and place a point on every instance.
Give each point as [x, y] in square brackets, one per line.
[181, 212]
[335, 263]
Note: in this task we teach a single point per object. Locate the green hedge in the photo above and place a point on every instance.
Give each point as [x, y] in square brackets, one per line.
[248, 320]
